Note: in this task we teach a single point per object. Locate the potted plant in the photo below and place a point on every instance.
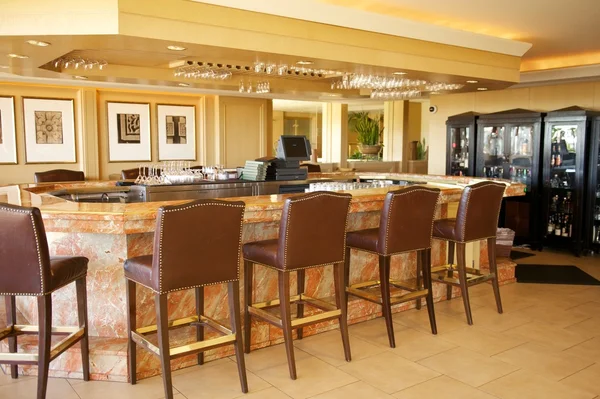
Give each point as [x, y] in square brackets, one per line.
[369, 131]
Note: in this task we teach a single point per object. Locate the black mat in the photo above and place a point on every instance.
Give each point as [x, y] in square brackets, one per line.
[514, 255]
[553, 274]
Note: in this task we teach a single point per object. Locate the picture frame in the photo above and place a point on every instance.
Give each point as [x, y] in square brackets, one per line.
[129, 138]
[49, 126]
[8, 131]
[176, 132]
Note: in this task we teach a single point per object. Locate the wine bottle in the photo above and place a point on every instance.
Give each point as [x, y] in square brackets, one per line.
[550, 224]
[566, 226]
[558, 226]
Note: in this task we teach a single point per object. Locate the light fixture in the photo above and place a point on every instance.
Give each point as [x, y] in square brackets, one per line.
[482, 88]
[20, 56]
[80, 77]
[183, 84]
[472, 81]
[38, 43]
[303, 62]
[176, 48]
[399, 73]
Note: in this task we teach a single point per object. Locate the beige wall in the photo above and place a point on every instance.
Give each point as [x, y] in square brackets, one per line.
[228, 130]
[413, 132]
[542, 98]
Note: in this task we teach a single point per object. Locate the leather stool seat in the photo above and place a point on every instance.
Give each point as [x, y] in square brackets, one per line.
[139, 269]
[364, 239]
[445, 229]
[262, 252]
[66, 269]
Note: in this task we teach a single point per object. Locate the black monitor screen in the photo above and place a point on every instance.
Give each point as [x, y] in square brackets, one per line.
[294, 148]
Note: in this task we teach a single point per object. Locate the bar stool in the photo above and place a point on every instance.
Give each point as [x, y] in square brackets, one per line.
[405, 226]
[195, 244]
[27, 269]
[476, 219]
[58, 175]
[312, 233]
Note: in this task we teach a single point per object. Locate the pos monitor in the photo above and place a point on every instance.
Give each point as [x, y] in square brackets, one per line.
[293, 148]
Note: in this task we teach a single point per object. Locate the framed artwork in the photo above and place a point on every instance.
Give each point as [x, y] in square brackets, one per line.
[8, 138]
[128, 132]
[176, 132]
[49, 130]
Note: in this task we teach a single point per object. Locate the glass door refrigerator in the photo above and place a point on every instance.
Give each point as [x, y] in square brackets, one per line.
[508, 147]
[566, 143]
[460, 144]
[591, 221]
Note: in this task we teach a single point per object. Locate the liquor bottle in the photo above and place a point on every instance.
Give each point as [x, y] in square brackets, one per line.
[566, 227]
[558, 226]
[525, 146]
[558, 161]
[550, 224]
[554, 204]
[568, 204]
[553, 161]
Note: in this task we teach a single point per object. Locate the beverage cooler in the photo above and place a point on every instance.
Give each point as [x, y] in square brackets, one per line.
[508, 144]
[460, 144]
[591, 221]
[567, 139]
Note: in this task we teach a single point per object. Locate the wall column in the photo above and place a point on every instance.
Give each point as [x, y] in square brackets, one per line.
[395, 118]
[335, 133]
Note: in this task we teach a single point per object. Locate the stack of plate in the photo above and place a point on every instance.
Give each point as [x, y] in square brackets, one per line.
[255, 171]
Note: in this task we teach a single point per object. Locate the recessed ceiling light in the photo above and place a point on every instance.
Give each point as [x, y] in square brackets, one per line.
[13, 55]
[38, 43]
[302, 62]
[472, 81]
[80, 77]
[183, 84]
[399, 73]
[482, 88]
[176, 48]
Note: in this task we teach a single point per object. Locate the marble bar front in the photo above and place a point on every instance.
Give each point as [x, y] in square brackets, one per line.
[109, 233]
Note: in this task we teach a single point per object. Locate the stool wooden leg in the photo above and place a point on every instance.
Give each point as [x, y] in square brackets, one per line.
[286, 320]
[162, 321]
[450, 273]
[199, 326]
[45, 335]
[81, 287]
[248, 280]
[347, 274]
[301, 277]
[419, 276]
[236, 327]
[491, 243]
[462, 275]
[342, 303]
[11, 320]
[131, 326]
[426, 261]
[384, 277]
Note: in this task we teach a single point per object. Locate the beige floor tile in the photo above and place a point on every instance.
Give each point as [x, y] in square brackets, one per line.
[454, 307]
[510, 303]
[355, 390]
[553, 316]
[544, 361]
[482, 340]
[314, 377]
[269, 393]
[587, 350]
[585, 380]
[5, 379]
[270, 356]
[374, 331]
[415, 345]
[26, 388]
[149, 388]
[329, 348]
[546, 334]
[442, 386]
[522, 384]
[219, 381]
[419, 320]
[587, 294]
[588, 328]
[591, 308]
[389, 372]
[488, 317]
[467, 366]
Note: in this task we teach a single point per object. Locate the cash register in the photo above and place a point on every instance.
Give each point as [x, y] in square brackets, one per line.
[290, 151]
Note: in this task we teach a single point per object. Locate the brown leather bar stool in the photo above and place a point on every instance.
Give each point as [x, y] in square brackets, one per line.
[195, 244]
[476, 219]
[405, 226]
[58, 175]
[27, 269]
[312, 233]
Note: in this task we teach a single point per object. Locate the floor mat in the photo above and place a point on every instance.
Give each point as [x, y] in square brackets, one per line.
[514, 255]
[553, 274]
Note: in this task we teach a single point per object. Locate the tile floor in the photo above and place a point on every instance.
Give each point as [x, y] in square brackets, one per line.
[546, 345]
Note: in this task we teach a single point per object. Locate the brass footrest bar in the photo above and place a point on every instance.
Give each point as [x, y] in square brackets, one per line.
[453, 267]
[330, 311]
[316, 318]
[184, 322]
[75, 334]
[6, 332]
[395, 298]
[411, 296]
[471, 279]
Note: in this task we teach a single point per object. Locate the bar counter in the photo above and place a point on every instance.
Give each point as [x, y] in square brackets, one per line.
[109, 233]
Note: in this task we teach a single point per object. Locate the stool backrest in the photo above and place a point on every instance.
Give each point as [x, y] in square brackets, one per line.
[197, 243]
[407, 220]
[24, 257]
[58, 175]
[313, 230]
[311, 167]
[479, 210]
